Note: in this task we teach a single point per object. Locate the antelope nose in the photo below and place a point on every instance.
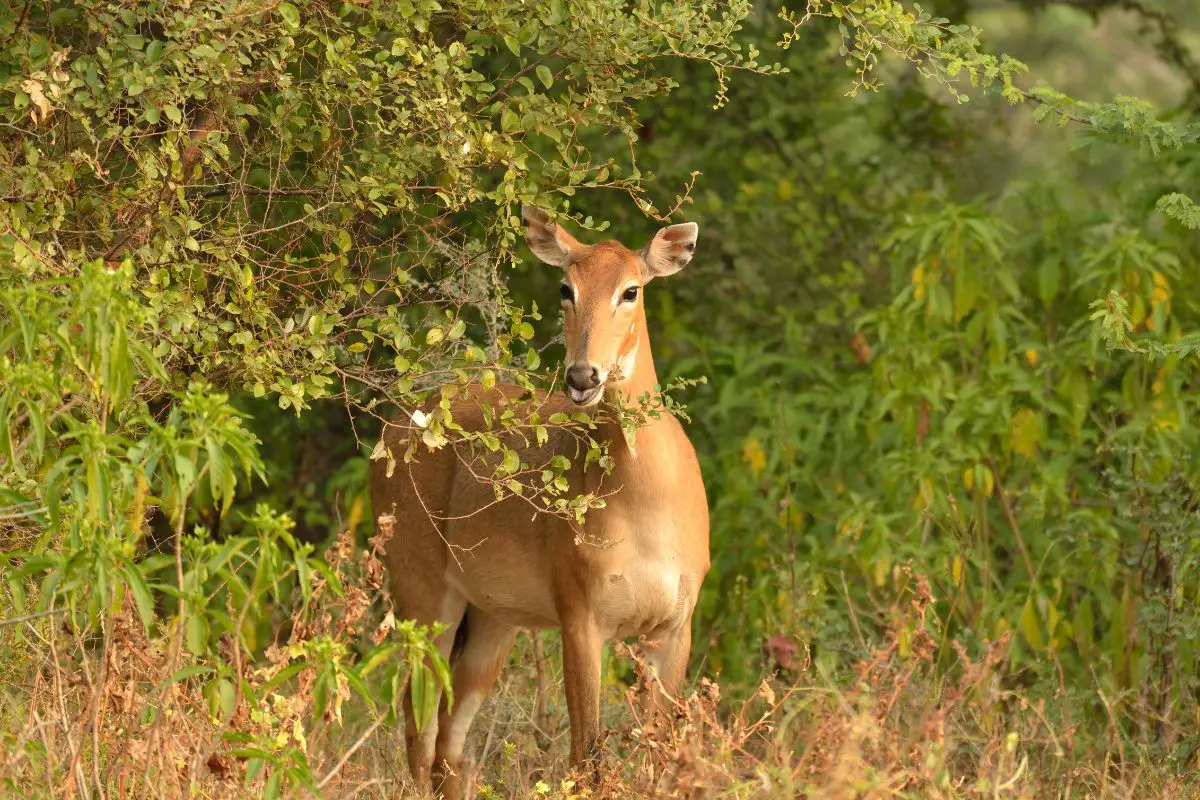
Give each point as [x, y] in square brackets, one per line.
[582, 377]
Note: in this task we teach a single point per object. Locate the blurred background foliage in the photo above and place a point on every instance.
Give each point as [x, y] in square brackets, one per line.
[946, 335]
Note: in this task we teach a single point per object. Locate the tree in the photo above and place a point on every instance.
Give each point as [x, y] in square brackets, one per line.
[300, 201]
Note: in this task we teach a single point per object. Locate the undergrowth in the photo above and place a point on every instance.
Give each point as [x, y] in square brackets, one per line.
[913, 715]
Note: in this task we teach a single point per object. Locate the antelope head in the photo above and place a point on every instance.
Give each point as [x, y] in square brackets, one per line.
[603, 316]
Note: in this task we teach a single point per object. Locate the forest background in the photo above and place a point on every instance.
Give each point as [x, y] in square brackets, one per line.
[942, 307]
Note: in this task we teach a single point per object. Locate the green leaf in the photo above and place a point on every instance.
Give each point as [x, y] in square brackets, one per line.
[190, 672]
[423, 686]
[273, 788]
[1048, 275]
[142, 598]
[290, 14]
[196, 633]
[282, 677]
[380, 656]
[544, 75]
[1180, 208]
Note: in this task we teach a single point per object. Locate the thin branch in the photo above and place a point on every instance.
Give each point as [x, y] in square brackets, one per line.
[1012, 521]
[30, 617]
[350, 752]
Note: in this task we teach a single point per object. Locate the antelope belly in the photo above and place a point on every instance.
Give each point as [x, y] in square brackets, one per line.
[507, 583]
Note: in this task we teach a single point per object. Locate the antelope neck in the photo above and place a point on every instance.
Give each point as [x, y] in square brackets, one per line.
[642, 381]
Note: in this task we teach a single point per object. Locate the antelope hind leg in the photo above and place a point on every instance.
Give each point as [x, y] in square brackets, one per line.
[486, 642]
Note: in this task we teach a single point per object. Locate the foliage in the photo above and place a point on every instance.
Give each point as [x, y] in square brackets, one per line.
[293, 202]
[235, 236]
[998, 389]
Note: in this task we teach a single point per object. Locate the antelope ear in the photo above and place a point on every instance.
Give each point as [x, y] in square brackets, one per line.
[670, 250]
[547, 240]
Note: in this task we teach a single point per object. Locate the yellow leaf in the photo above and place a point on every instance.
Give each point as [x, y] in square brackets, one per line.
[754, 456]
[1051, 622]
[298, 734]
[1160, 299]
[924, 497]
[989, 481]
[1156, 388]
[791, 517]
[1162, 290]
[356, 514]
[1026, 431]
[918, 281]
[956, 570]
[1031, 356]
[1029, 625]
[1167, 421]
[969, 478]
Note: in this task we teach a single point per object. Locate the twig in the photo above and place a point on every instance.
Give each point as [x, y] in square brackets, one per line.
[1043, 102]
[32, 512]
[41, 728]
[541, 712]
[20, 22]
[31, 617]
[1012, 522]
[353, 749]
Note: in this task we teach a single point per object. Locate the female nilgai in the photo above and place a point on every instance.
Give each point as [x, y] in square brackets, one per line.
[486, 569]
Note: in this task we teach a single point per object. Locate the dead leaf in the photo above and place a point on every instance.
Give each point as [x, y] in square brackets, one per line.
[860, 348]
[41, 108]
[783, 651]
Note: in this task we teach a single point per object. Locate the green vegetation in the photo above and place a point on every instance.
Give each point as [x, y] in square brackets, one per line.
[944, 305]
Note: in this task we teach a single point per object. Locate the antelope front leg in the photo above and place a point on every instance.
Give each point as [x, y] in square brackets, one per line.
[582, 643]
[668, 660]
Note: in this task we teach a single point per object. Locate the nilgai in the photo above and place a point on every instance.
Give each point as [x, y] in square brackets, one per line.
[486, 568]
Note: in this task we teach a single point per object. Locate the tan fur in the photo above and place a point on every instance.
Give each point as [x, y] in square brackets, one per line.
[634, 567]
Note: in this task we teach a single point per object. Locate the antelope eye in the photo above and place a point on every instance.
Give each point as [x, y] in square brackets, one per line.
[629, 295]
[566, 294]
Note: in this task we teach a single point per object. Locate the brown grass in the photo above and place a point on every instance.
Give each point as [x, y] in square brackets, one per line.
[97, 716]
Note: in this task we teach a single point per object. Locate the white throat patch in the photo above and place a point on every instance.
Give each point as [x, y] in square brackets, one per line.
[627, 362]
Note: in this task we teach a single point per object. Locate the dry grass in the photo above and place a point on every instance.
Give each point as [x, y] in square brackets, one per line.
[98, 717]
